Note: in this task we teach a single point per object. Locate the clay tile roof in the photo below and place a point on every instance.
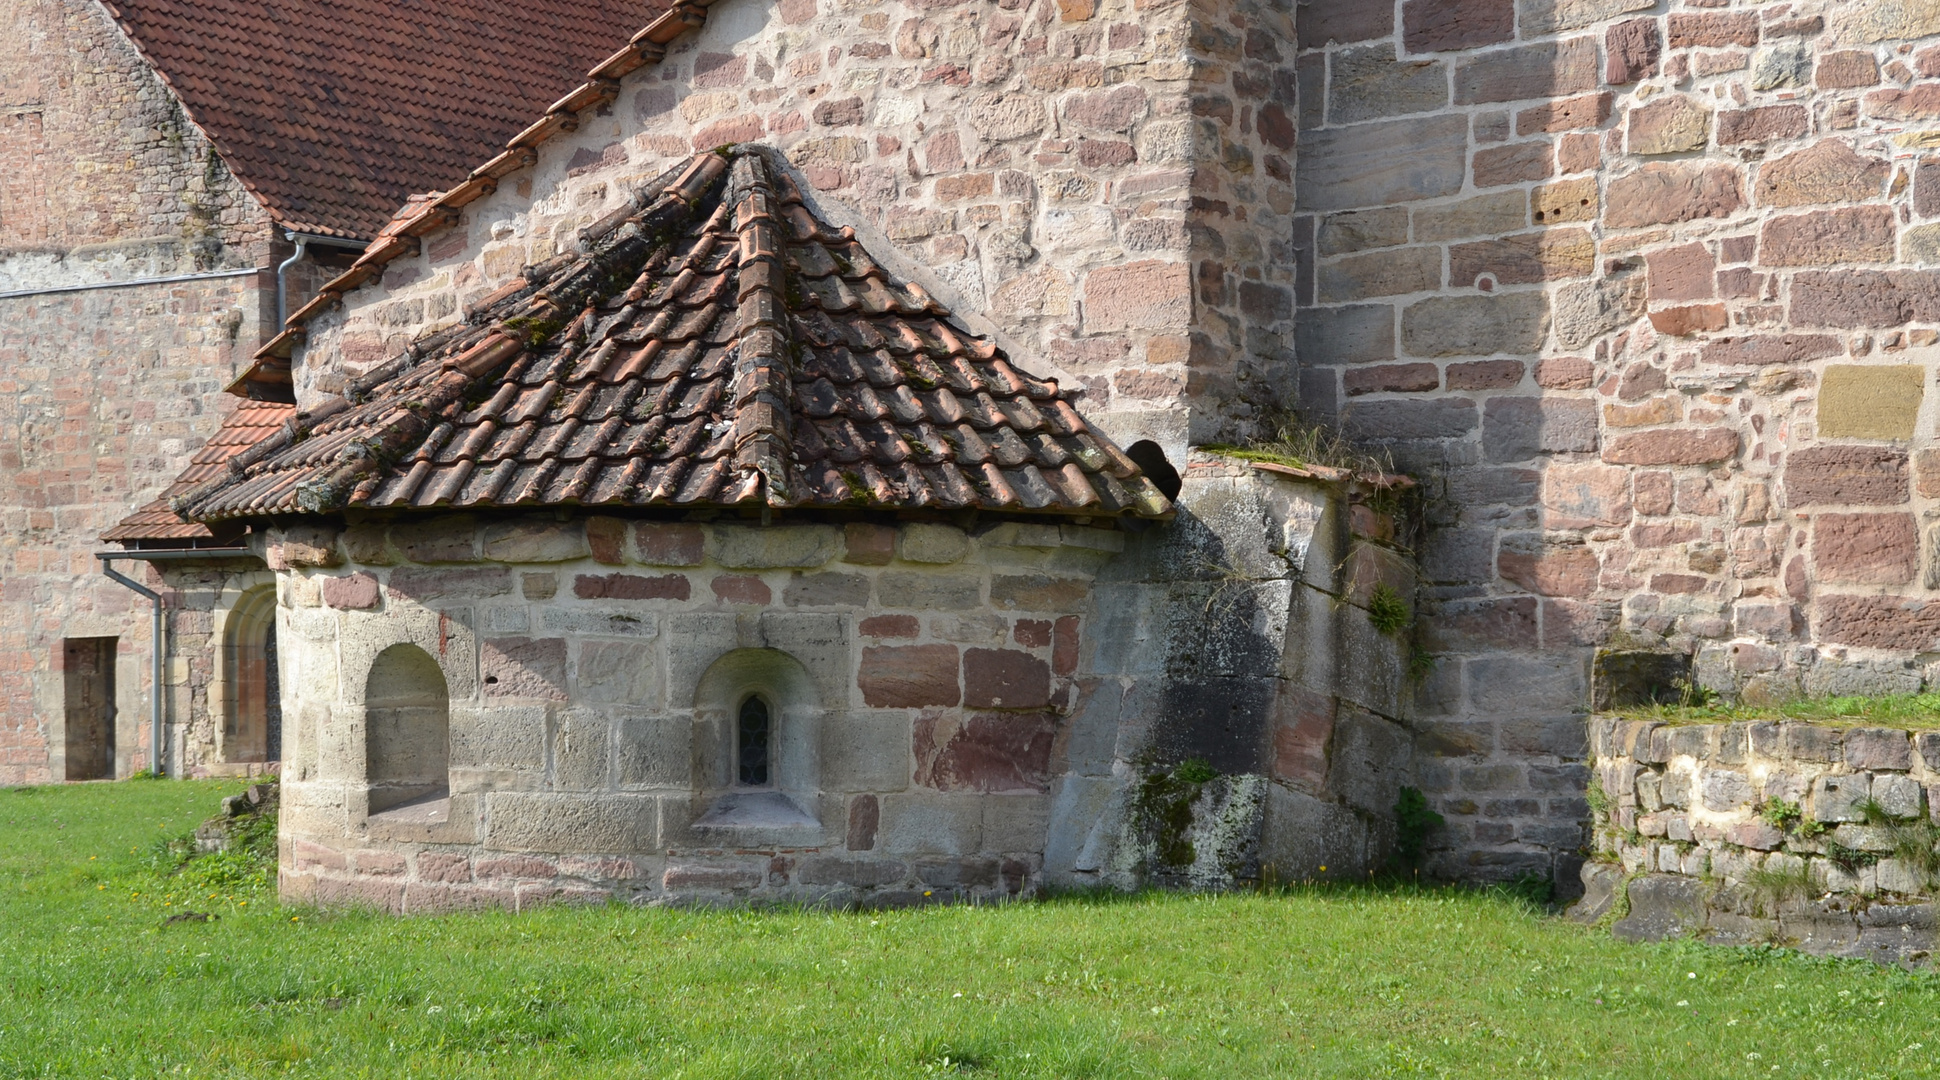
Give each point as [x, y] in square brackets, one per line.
[332, 113]
[715, 344]
[247, 425]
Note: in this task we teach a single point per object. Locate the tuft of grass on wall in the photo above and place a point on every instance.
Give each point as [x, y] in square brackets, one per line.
[1914, 712]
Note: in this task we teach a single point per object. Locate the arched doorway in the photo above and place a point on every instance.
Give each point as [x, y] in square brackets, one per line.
[253, 726]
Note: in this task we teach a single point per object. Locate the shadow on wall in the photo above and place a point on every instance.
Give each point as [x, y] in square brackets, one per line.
[1454, 313]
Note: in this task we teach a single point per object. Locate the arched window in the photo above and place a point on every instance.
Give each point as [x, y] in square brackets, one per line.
[407, 729]
[253, 721]
[753, 736]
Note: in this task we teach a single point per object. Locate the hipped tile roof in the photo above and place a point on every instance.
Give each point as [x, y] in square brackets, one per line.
[248, 424]
[332, 113]
[715, 345]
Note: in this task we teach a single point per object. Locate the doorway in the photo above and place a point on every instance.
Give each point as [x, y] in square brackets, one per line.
[88, 680]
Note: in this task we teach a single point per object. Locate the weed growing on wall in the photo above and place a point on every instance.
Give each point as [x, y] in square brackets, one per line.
[1414, 820]
[1387, 610]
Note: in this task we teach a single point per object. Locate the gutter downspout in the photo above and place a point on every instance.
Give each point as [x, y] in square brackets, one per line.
[158, 760]
[282, 280]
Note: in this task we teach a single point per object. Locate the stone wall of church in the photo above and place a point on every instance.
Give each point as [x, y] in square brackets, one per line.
[104, 394]
[1107, 186]
[919, 679]
[1646, 293]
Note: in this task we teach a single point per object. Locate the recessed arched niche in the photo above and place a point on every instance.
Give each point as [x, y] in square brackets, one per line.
[252, 724]
[757, 727]
[407, 736]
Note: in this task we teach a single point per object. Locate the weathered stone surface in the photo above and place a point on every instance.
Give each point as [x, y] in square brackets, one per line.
[1448, 25]
[1360, 230]
[1370, 84]
[1345, 335]
[1152, 294]
[1586, 310]
[908, 676]
[1547, 70]
[1868, 21]
[986, 752]
[1393, 378]
[1554, 16]
[1518, 428]
[1665, 193]
[1858, 475]
[1381, 273]
[1376, 164]
[530, 541]
[1829, 237]
[1711, 30]
[631, 587]
[1005, 679]
[1483, 215]
[354, 592]
[1869, 549]
[1846, 70]
[1770, 349]
[1564, 200]
[1828, 171]
[1342, 22]
[777, 547]
[1526, 258]
[1476, 325]
[1631, 51]
[1670, 125]
[1585, 496]
[1662, 907]
[1870, 401]
[423, 583]
[1865, 298]
[1513, 164]
[1548, 569]
[1761, 124]
[1881, 622]
[658, 544]
[1840, 798]
[1693, 446]
[1391, 420]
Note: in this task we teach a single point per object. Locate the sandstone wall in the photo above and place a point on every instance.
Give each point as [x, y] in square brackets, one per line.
[104, 394]
[1644, 289]
[1752, 833]
[593, 666]
[1060, 172]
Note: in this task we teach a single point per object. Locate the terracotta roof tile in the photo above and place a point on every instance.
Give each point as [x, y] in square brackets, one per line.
[331, 114]
[706, 349]
[248, 424]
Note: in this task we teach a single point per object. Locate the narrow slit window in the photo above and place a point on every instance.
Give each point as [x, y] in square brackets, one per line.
[752, 758]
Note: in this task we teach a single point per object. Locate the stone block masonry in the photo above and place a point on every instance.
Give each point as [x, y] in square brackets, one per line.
[104, 395]
[1765, 832]
[1645, 293]
[952, 713]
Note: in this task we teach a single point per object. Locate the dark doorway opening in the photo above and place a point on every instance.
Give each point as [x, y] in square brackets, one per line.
[88, 681]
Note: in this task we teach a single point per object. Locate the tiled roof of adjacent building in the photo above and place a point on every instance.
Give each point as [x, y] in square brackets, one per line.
[715, 344]
[331, 114]
[248, 424]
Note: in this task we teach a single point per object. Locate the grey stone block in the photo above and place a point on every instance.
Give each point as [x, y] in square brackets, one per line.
[1810, 742]
[1359, 230]
[1381, 163]
[859, 873]
[739, 547]
[1724, 790]
[1481, 325]
[1370, 84]
[1538, 17]
[1878, 748]
[921, 823]
[656, 752]
[866, 750]
[1520, 685]
[1357, 334]
[1600, 884]
[1838, 798]
[534, 541]
[914, 591]
[1898, 796]
[1517, 429]
[618, 672]
[827, 590]
[577, 824]
[1390, 420]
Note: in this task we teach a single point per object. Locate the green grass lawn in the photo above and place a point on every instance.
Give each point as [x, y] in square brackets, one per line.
[1312, 983]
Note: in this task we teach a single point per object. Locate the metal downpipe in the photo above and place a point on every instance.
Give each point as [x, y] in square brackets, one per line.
[158, 762]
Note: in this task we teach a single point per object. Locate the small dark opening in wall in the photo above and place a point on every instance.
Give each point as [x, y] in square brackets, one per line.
[751, 756]
[1624, 680]
[1150, 458]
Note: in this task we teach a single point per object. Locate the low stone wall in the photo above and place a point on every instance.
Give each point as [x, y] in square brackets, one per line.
[1791, 833]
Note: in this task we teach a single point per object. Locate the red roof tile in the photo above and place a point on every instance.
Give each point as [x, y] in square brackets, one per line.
[248, 424]
[716, 344]
[331, 114]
